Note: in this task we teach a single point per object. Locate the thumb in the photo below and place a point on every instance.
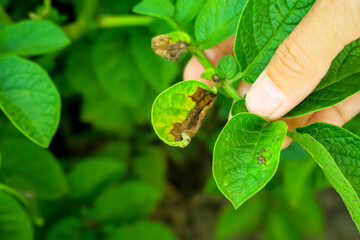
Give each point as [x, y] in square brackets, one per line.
[304, 57]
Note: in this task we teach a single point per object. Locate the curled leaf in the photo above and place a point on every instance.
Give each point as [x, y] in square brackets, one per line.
[177, 112]
[164, 46]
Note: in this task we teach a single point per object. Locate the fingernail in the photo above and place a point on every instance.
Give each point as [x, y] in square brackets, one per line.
[264, 97]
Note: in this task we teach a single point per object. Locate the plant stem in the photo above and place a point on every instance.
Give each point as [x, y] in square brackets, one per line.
[200, 55]
[230, 90]
[290, 135]
[47, 4]
[88, 9]
[236, 77]
[109, 21]
[4, 17]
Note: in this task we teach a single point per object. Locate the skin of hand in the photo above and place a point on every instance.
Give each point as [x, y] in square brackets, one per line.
[298, 65]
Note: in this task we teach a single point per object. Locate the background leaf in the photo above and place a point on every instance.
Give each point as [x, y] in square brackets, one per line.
[143, 230]
[29, 99]
[14, 221]
[32, 38]
[90, 176]
[33, 171]
[246, 155]
[131, 200]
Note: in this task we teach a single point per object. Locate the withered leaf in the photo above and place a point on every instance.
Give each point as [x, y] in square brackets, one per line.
[187, 129]
[164, 47]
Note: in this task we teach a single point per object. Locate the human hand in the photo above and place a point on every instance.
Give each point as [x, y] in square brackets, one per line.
[298, 65]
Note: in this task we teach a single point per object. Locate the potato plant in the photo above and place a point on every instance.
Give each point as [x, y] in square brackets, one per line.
[247, 151]
[79, 82]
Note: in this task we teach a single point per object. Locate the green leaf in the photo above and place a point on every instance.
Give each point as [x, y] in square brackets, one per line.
[341, 82]
[217, 21]
[66, 228]
[343, 146]
[32, 170]
[115, 68]
[143, 230]
[29, 99]
[91, 176]
[332, 172]
[238, 107]
[150, 166]
[244, 220]
[246, 155]
[179, 36]
[227, 67]
[296, 174]
[279, 227]
[158, 72]
[32, 38]
[178, 111]
[69, 228]
[208, 74]
[186, 10]
[263, 26]
[156, 8]
[14, 221]
[129, 201]
[308, 217]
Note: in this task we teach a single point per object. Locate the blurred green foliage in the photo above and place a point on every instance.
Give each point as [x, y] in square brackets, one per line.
[105, 175]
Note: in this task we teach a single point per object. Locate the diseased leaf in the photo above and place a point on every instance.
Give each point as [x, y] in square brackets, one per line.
[156, 8]
[143, 230]
[263, 26]
[227, 67]
[29, 99]
[186, 10]
[178, 111]
[238, 107]
[31, 170]
[246, 155]
[341, 82]
[168, 47]
[15, 223]
[332, 172]
[32, 37]
[91, 176]
[217, 21]
[129, 201]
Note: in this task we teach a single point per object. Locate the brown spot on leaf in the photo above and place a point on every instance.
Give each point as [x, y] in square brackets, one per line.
[164, 47]
[215, 78]
[190, 126]
[262, 160]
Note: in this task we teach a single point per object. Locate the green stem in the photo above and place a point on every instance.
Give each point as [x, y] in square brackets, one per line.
[88, 9]
[109, 21]
[200, 55]
[290, 135]
[236, 77]
[230, 90]
[4, 17]
[47, 4]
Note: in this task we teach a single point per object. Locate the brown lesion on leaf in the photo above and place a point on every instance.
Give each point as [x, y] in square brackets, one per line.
[190, 126]
[262, 159]
[164, 47]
